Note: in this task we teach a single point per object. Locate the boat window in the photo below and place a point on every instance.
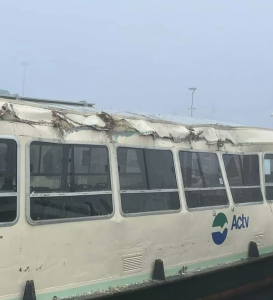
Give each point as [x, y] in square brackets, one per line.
[268, 176]
[147, 180]
[8, 181]
[69, 181]
[91, 163]
[46, 162]
[243, 177]
[202, 178]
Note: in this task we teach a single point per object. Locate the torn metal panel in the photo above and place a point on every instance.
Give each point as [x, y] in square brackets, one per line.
[142, 127]
[8, 112]
[175, 133]
[79, 120]
[35, 115]
[180, 133]
[177, 129]
[2, 111]
[108, 119]
[101, 121]
[44, 116]
[159, 130]
[213, 136]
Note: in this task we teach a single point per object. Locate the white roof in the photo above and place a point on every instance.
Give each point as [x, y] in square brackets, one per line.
[80, 116]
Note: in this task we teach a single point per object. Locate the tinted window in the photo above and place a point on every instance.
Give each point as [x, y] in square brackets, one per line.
[148, 202]
[65, 207]
[8, 180]
[242, 170]
[147, 170]
[268, 174]
[53, 168]
[8, 208]
[243, 177]
[62, 168]
[91, 169]
[200, 169]
[206, 198]
[246, 195]
[46, 165]
[202, 178]
[8, 166]
[269, 192]
[132, 172]
[160, 169]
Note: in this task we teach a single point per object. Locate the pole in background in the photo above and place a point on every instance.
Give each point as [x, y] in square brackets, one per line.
[25, 64]
[193, 89]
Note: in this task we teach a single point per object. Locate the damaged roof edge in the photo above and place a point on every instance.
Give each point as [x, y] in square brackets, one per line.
[66, 119]
[47, 101]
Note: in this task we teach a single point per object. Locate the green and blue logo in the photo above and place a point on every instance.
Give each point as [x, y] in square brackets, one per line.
[220, 226]
[220, 235]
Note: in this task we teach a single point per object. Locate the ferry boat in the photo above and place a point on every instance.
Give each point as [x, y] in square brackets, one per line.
[104, 203]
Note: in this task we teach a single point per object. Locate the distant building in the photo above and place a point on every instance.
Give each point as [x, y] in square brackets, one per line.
[4, 92]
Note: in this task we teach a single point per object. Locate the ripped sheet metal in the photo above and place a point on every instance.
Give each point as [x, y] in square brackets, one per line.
[28, 114]
[213, 135]
[158, 130]
[182, 133]
[44, 116]
[99, 120]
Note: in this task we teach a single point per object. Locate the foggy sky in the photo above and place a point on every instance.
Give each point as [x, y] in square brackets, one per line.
[143, 55]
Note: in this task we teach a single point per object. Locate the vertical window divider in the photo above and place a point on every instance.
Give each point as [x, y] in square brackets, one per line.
[90, 150]
[146, 170]
[241, 168]
[40, 159]
[65, 164]
[72, 169]
[201, 169]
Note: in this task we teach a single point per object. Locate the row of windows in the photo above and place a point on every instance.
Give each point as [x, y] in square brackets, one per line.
[74, 181]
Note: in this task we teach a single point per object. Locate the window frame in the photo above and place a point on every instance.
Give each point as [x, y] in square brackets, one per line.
[68, 220]
[18, 172]
[263, 177]
[225, 186]
[163, 212]
[260, 186]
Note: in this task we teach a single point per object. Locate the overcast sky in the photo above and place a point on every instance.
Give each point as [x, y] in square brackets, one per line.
[143, 55]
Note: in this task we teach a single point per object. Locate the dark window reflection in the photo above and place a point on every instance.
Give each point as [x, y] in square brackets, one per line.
[8, 166]
[147, 169]
[243, 170]
[68, 168]
[246, 195]
[66, 207]
[206, 198]
[149, 202]
[8, 209]
[200, 171]
[8, 180]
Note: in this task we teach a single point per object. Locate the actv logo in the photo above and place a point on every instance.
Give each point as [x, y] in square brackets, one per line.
[240, 222]
[220, 222]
